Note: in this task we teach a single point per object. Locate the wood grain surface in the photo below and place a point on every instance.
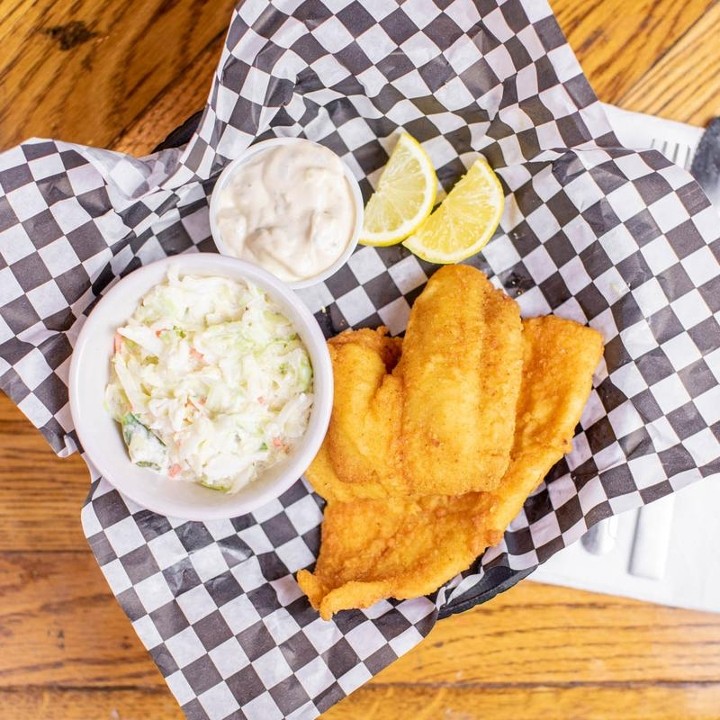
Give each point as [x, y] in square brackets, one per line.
[683, 83]
[124, 74]
[84, 71]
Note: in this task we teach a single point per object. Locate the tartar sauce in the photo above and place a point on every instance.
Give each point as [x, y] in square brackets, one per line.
[289, 209]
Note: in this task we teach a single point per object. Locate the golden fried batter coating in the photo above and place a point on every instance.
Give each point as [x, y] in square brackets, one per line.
[404, 546]
[460, 367]
[442, 419]
[362, 443]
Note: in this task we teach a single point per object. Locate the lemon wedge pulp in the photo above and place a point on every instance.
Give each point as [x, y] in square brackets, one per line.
[404, 197]
[464, 222]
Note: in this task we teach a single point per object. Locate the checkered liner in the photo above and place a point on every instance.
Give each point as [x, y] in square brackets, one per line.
[592, 231]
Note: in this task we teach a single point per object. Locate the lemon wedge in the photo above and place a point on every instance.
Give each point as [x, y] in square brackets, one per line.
[464, 222]
[404, 197]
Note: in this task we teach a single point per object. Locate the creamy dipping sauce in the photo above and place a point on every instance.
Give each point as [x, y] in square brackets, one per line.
[289, 209]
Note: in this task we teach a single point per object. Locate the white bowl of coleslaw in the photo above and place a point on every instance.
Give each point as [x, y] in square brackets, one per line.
[209, 416]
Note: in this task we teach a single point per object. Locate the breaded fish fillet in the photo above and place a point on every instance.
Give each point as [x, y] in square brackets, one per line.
[441, 420]
[402, 547]
[460, 369]
[362, 444]
[559, 359]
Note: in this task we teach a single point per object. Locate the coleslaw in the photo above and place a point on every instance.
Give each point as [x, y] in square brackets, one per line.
[210, 382]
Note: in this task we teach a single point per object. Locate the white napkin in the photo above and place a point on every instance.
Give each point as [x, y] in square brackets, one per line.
[691, 577]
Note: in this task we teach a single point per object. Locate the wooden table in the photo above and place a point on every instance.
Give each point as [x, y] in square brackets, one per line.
[67, 650]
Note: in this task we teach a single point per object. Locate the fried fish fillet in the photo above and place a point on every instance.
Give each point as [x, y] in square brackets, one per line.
[461, 369]
[363, 441]
[559, 359]
[407, 547]
[439, 421]
[402, 548]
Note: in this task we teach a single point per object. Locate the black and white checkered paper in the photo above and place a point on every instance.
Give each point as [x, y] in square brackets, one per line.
[592, 231]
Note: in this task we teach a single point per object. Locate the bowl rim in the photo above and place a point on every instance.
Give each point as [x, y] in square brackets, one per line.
[297, 463]
[263, 146]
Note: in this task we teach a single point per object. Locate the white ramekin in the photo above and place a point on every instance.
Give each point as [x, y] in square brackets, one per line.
[254, 151]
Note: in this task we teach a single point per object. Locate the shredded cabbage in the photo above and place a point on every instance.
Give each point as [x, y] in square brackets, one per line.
[210, 382]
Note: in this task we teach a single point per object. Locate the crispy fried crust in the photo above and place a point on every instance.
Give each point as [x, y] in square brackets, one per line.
[559, 359]
[361, 457]
[406, 547]
[374, 549]
[460, 369]
[442, 419]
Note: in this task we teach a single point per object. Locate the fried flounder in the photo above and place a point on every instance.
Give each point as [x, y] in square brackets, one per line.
[363, 436]
[442, 419]
[460, 369]
[405, 547]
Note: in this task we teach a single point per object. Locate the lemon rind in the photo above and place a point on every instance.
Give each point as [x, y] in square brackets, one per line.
[440, 258]
[404, 231]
